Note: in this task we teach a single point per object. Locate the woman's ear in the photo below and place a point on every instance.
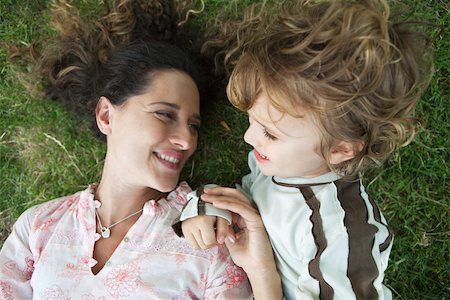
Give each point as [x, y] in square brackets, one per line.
[344, 151]
[103, 114]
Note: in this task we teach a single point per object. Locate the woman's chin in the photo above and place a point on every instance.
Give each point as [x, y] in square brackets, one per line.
[166, 186]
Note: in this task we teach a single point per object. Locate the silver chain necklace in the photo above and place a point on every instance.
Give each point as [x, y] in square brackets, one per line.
[106, 230]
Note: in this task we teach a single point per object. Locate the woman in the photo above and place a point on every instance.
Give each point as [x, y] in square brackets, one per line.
[114, 239]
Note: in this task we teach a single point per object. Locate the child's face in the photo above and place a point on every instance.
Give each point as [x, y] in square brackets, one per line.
[154, 133]
[284, 146]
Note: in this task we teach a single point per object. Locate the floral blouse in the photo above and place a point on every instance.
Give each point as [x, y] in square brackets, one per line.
[49, 256]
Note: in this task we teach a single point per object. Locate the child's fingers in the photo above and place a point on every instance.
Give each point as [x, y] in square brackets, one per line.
[201, 230]
[221, 230]
[198, 239]
[192, 242]
[188, 232]
[207, 238]
[192, 230]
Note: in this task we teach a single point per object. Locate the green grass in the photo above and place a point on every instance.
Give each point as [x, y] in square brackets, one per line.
[46, 152]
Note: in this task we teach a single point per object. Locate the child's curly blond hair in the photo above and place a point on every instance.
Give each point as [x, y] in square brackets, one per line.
[359, 72]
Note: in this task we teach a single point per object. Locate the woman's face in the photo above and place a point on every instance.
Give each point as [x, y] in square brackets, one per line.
[153, 134]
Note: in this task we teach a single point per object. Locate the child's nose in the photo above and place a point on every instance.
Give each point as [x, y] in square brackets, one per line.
[249, 136]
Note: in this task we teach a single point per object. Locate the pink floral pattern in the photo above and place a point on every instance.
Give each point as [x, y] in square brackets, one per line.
[180, 259]
[80, 209]
[55, 293]
[235, 276]
[223, 255]
[51, 246]
[5, 290]
[45, 224]
[180, 197]
[9, 266]
[202, 283]
[123, 281]
[29, 261]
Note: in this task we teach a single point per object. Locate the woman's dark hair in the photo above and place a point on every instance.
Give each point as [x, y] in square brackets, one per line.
[113, 55]
[128, 71]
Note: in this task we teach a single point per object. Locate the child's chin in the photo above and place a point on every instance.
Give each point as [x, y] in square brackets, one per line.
[267, 172]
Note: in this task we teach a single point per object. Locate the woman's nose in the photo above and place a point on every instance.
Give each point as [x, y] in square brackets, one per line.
[184, 139]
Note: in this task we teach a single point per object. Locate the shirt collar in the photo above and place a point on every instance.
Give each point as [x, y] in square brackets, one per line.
[306, 181]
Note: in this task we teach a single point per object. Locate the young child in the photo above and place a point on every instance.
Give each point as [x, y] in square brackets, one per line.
[329, 87]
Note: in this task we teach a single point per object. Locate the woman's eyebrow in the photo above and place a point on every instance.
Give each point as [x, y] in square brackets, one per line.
[172, 105]
[197, 117]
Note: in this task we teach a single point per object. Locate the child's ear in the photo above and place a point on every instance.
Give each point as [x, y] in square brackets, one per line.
[344, 151]
[103, 114]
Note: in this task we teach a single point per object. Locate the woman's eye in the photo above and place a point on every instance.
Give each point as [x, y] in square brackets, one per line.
[269, 136]
[165, 115]
[194, 127]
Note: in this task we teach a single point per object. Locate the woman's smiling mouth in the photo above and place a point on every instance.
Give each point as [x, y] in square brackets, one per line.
[170, 160]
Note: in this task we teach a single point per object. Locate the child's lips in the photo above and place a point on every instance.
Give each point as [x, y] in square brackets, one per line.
[260, 157]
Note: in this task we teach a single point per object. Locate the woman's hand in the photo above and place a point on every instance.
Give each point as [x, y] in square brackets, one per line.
[250, 248]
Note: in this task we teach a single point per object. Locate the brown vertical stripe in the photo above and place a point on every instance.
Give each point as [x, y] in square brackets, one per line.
[362, 269]
[377, 216]
[387, 242]
[326, 291]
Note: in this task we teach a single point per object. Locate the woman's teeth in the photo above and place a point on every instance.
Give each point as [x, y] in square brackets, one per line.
[169, 158]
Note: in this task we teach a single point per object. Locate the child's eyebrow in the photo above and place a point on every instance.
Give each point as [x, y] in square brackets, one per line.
[269, 129]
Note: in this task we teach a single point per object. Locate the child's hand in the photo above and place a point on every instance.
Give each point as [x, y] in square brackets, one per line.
[204, 232]
[250, 248]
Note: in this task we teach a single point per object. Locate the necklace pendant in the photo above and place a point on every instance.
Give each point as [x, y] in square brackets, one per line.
[106, 233]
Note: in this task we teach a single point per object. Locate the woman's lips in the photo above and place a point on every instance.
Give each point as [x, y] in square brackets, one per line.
[171, 160]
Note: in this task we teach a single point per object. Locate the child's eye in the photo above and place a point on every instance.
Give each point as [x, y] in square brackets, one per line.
[269, 136]
[165, 115]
